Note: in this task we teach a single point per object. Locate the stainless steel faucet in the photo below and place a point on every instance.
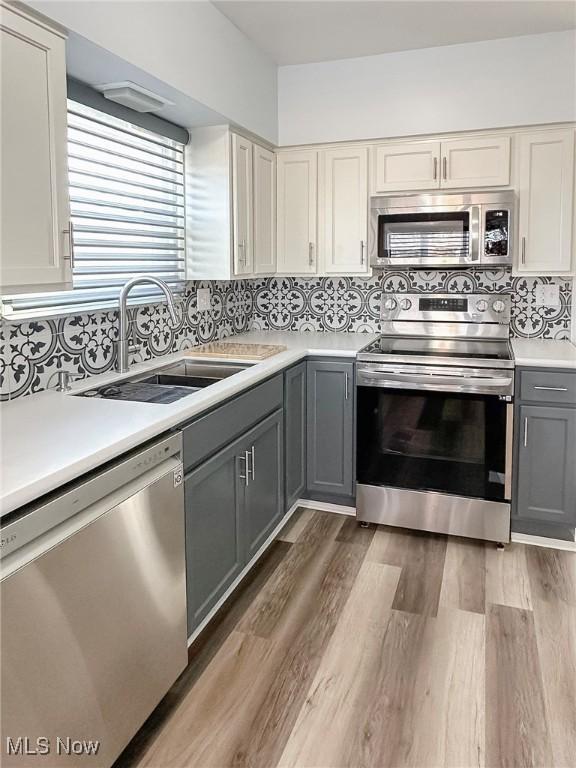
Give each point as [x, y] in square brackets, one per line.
[123, 340]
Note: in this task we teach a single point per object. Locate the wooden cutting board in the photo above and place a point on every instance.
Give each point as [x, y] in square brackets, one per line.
[236, 350]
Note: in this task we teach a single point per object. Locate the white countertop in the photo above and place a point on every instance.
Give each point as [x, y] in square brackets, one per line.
[544, 353]
[51, 438]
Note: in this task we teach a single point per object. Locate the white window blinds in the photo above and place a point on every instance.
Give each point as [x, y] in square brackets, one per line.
[127, 208]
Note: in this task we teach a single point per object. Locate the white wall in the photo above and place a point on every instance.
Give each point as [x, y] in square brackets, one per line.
[189, 45]
[497, 83]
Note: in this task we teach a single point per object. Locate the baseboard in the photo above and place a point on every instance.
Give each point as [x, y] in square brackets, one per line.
[541, 541]
[325, 506]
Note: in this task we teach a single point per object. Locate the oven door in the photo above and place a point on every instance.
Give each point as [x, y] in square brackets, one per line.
[445, 442]
[429, 236]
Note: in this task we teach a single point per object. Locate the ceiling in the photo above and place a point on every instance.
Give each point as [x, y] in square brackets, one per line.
[310, 31]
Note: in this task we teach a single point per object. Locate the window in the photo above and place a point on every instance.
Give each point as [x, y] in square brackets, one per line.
[127, 209]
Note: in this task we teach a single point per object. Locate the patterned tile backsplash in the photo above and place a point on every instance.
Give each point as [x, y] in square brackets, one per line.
[32, 352]
[353, 304]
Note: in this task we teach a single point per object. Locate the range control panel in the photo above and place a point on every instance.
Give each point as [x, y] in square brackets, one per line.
[442, 307]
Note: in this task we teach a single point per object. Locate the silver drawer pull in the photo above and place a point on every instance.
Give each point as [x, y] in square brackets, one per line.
[553, 389]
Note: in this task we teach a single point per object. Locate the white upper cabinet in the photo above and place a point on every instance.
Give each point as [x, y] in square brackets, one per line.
[297, 212]
[405, 166]
[480, 162]
[242, 204]
[230, 206]
[35, 240]
[264, 241]
[546, 192]
[452, 164]
[343, 200]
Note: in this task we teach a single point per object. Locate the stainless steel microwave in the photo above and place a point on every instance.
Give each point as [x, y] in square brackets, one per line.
[442, 230]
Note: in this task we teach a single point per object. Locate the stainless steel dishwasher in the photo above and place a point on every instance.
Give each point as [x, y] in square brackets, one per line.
[93, 610]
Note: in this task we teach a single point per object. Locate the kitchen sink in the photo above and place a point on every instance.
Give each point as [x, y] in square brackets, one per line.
[167, 384]
[192, 374]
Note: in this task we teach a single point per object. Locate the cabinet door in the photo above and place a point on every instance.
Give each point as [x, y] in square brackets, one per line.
[343, 198]
[482, 162]
[35, 213]
[546, 188]
[546, 464]
[297, 202]
[295, 433]
[400, 167]
[242, 204]
[214, 494]
[264, 497]
[330, 411]
[264, 165]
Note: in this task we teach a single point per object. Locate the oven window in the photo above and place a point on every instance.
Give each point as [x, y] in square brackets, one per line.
[432, 441]
[405, 237]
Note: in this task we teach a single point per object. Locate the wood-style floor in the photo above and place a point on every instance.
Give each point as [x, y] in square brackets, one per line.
[380, 647]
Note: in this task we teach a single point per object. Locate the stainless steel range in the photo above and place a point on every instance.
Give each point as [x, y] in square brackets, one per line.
[435, 416]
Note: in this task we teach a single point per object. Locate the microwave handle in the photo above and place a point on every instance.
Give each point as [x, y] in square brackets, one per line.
[476, 234]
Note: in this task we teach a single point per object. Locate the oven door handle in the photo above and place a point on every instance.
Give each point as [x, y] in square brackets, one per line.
[509, 452]
[444, 382]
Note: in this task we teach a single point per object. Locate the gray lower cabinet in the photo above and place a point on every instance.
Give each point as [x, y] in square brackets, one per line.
[546, 469]
[295, 433]
[330, 422]
[234, 500]
[214, 495]
[264, 493]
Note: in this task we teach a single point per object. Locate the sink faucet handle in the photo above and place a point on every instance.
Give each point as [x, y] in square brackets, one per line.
[64, 378]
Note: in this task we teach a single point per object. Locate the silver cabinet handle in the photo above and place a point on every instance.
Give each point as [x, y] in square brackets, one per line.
[346, 393]
[242, 248]
[245, 475]
[253, 465]
[523, 250]
[311, 254]
[525, 431]
[444, 168]
[435, 177]
[70, 232]
[553, 389]
[362, 246]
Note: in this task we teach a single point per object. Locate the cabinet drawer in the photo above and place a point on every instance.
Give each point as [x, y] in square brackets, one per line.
[548, 387]
[211, 432]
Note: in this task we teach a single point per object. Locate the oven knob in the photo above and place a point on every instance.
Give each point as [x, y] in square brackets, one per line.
[405, 304]
[390, 303]
[498, 306]
[482, 305]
